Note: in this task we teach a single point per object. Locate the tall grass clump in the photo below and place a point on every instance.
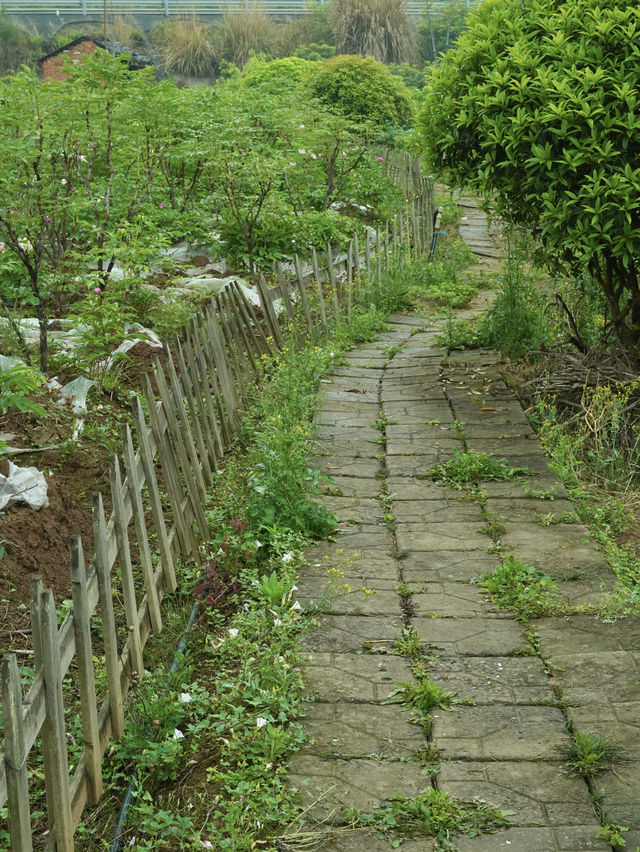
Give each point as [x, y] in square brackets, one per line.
[18, 47]
[125, 30]
[244, 32]
[378, 28]
[185, 46]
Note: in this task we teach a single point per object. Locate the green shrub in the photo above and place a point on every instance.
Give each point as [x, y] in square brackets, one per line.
[412, 77]
[378, 28]
[314, 52]
[276, 75]
[440, 28]
[364, 90]
[538, 107]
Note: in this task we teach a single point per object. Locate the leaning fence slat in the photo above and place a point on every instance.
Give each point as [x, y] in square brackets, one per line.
[316, 275]
[92, 755]
[303, 295]
[196, 362]
[126, 571]
[232, 307]
[157, 512]
[251, 319]
[112, 661]
[356, 266]
[334, 287]
[188, 543]
[269, 312]
[176, 439]
[35, 698]
[183, 382]
[199, 417]
[15, 758]
[208, 366]
[284, 291]
[142, 537]
[229, 343]
[60, 795]
[222, 365]
[349, 279]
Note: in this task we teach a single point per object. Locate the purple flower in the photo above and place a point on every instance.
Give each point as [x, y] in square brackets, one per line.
[163, 204]
[47, 219]
[379, 159]
[97, 291]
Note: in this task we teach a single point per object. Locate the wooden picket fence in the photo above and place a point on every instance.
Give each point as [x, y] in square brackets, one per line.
[184, 423]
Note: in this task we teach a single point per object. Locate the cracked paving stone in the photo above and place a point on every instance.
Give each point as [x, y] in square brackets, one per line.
[422, 446]
[351, 486]
[425, 512]
[558, 551]
[414, 538]
[358, 372]
[622, 797]
[503, 732]
[353, 632]
[583, 634]
[361, 509]
[354, 840]
[359, 678]
[570, 839]
[415, 464]
[485, 637]
[526, 488]
[619, 720]
[453, 600]
[403, 489]
[524, 510]
[617, 674]
[324, 557]
[357, 602]
[411, 393]
[537, 793]
[506, 447]
[360, 468]
[359, 730]
[328, 787]
[417, 413]
[319, 586]
[493, 680]
[446, 565]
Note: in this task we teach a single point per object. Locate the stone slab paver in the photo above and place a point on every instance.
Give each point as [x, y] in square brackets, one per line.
[493, 681]
[537, 793]
[570, 839]
[499, 732]
[446, 566]
[436, 512]
[352, 840]
[328, 786]
[478, 637]
[371, 602]
[353, 632]
[360, 730]
[454, 600]
[456, 536]
[354, 677]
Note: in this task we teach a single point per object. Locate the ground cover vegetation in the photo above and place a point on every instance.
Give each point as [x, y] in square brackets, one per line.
[534, 110]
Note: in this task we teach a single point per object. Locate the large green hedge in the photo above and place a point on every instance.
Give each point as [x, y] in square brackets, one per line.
[538, 107]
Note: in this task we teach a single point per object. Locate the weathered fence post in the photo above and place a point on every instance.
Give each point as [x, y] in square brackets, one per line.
[15, 757]
[86, 677]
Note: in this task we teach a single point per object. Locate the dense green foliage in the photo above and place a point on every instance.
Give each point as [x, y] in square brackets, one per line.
[17, 47]
[242, 167]
[363, 90]
[537, 107]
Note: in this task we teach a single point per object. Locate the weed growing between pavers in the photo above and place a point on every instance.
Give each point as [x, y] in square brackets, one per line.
[432, 813]
[589, 754]
[468, 469]
[551, 518]
[529, 592]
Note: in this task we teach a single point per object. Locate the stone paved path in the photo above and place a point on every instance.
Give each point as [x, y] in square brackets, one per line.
[385, 418]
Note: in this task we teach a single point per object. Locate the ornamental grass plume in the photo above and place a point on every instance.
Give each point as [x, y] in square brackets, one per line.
[378, 28]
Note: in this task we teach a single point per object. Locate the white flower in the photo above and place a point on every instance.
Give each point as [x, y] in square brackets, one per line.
[132, 842]
[314, 156]
[302, 127]
[206, 844]
[288, 556]
[258, 544]
[220, 552]
[294, 588]
[178, 735]
[82, 158]
[292, 163]
[185, 698]
[281, 659]
[233, 632]
[301, 151]
[63, 181]
[296, 606]
[261, 722]
[277, 622]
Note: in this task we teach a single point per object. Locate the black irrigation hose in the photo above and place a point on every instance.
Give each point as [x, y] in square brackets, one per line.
[116, 843]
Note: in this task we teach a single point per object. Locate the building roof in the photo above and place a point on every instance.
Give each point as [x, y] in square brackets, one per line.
[114, 48]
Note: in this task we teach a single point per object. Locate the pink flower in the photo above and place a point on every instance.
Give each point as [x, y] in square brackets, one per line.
[163, 204]
[97, 291]
[379, 159]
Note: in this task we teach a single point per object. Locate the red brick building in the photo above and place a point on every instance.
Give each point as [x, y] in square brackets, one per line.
[53, 64]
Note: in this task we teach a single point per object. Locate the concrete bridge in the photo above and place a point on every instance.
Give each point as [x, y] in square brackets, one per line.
[49, 16]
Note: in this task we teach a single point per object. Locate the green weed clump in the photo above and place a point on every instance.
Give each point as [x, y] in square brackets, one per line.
[589, 754]
[471, 468]
[431, 813]
[523, 588]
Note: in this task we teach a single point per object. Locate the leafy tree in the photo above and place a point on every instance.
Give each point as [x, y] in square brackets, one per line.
[440, 27]
[538, 108]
